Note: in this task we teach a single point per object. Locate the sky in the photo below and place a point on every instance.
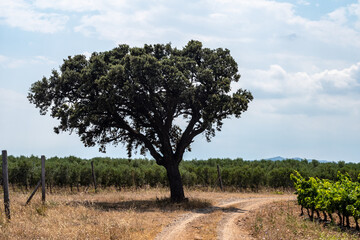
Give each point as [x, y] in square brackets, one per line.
[300, 59]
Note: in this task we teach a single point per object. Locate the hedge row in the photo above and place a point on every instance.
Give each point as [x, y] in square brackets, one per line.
[237, 174]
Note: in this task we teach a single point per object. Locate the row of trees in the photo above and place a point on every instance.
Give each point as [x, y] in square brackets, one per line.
[73, 172]
[341, 197]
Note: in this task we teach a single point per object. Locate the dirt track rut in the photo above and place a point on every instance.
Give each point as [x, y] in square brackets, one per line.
[229, 227]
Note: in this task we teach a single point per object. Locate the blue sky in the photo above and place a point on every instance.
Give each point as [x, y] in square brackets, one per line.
[300, 59]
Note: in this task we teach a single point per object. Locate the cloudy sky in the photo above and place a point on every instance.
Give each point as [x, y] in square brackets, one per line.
[300, 59]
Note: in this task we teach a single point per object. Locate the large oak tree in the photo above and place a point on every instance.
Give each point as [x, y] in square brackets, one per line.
[154, 99]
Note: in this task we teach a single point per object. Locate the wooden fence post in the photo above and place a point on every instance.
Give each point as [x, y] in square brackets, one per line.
[5, 183]
[93, 175]
[41, 182]
[220, 179]
[43, 178]
[33, 193]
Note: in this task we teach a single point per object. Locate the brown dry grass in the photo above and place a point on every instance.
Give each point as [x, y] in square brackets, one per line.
[134, 214]
[282, 220]
[128, 214]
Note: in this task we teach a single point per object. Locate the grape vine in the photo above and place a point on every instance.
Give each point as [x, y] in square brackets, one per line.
[321, 195]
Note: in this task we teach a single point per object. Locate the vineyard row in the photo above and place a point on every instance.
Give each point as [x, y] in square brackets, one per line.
[321, 195]
[237, 174]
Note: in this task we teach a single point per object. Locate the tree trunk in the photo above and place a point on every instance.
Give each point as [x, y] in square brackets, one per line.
[347, 221]
[325, 216]
[175, 182]
[308, 212]
[340, 218]
[312, 215]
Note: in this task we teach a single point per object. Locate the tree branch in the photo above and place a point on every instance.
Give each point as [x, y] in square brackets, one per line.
[187, 137]
[137, 135]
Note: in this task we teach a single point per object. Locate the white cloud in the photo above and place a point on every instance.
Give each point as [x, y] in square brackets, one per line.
[276, 80]
[268, 21]
[70, 5]
[348, 16]
[354, 11]
[125, 25]
[21, 14]
[259, 24]
[335, 91]
[345, 79]
[339, 16]
[303, 2]
[9, 96]
[13, 63]
[2, 59]
[263, 22]
[7, 62]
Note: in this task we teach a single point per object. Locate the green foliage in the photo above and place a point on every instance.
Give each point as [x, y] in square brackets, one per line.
[236, 174]
[135, 96]
[341, 196]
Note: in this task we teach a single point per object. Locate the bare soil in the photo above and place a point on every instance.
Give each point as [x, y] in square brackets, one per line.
[226, 217]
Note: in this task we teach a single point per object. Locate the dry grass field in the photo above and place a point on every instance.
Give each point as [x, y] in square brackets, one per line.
[142, 214]
[106, 215]
[281, 220]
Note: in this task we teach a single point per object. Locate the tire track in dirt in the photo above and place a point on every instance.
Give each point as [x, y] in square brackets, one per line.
[177, 227]
[227, 227]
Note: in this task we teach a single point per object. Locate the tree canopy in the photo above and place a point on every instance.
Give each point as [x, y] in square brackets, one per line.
[156, 98]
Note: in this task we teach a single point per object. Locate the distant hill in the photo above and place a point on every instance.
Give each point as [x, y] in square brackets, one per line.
[279, 158]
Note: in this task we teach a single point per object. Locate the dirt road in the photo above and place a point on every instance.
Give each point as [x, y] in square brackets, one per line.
[228, 221]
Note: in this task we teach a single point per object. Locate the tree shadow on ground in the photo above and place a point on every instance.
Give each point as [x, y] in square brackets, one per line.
[156, 205]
